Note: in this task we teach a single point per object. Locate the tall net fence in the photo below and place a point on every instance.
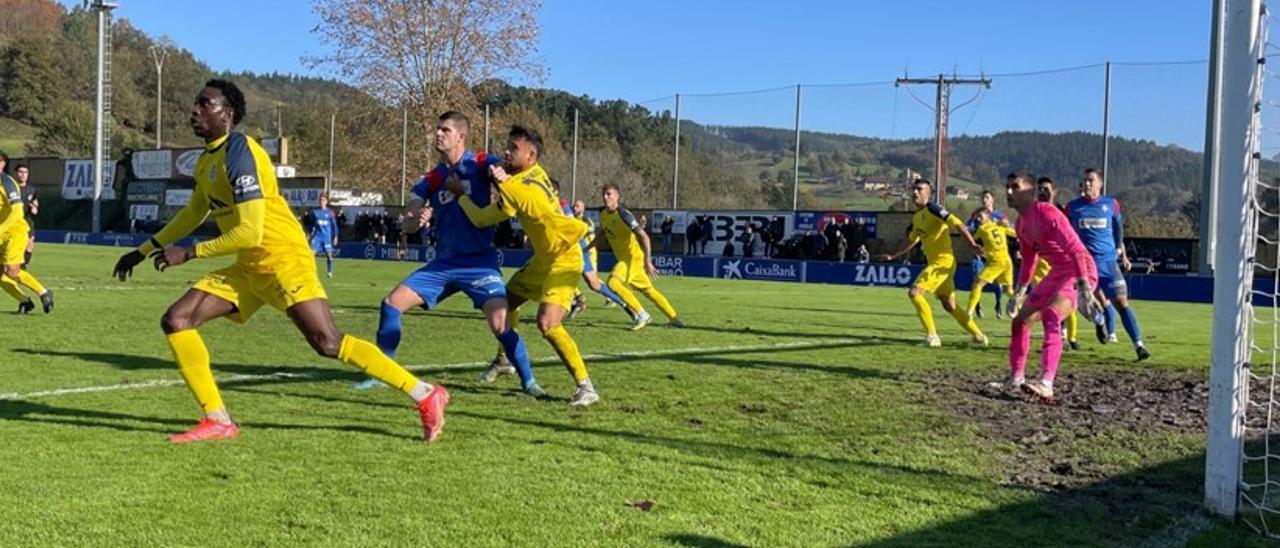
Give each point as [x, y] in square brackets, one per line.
[1259, 477]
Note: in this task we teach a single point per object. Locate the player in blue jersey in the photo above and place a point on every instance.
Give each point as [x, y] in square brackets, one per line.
[465, 259]
[324, 232]
[974, 222]
[1096, 218]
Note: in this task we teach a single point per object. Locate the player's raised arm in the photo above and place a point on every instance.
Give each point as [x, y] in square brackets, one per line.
[912, 240]
[641, 236]
[956, 223]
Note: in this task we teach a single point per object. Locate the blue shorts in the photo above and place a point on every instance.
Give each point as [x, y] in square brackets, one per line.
[1111, 278]
[978, 264]
[322, 245]
[438, 280]
[587, 266]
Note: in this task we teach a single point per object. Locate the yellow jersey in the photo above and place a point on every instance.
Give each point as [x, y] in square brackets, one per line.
[995, 241]
[932, 227]
[620, 229]
[11, 214]
[529, 196]
[236, 183]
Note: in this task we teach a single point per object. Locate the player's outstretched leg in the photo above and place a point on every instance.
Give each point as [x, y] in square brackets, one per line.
[495, 311]
[975, 296]
[630, 301]
[501, 364]
[1019, 347]
[10, 286]
[925, 314]
[328, 262]
[549, 316]
[314, 319]
[390, 326]
[999, 291]
[179, 323]
[963, 318]
[46, 296]
[661, 302]
[1130, 321]
[1073, 329]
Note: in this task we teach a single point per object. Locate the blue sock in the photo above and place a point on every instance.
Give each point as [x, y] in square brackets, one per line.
[329, 263]
[513, 345]
[1111, 319]
[999, 295]
[389, 330]
[609, 294]
[1130, 321]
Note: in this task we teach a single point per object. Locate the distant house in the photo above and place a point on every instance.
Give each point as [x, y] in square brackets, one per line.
[877, 183]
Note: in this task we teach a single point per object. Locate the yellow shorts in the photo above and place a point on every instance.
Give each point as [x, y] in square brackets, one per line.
[289, 285]
[13, 246]
[1042, 270]
[997, 273]
[938, 278]
[548, 280]
[633, 274]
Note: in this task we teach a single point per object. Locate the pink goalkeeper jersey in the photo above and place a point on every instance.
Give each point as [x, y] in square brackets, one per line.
[1044, 232]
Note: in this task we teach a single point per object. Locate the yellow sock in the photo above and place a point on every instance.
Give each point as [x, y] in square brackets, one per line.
[975, 297]
[374, 363]
[660, 300]
[627, 296]
[193, 363]
[966, 321]
[568, 351]
[11, 287]
[25, 278]
[925, 315]
[1073, 326]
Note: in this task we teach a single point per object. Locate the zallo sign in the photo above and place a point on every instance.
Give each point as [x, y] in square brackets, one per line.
[77, 180]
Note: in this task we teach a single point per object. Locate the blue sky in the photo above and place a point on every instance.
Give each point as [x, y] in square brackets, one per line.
[646, 50]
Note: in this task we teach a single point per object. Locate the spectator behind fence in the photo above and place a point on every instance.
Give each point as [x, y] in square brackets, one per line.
[774, 234]
[864, 256]
[668, 225]
[692, 235]
[706, 234]
[749, 242]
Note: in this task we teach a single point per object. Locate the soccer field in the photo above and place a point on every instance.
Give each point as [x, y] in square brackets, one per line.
[795, 415]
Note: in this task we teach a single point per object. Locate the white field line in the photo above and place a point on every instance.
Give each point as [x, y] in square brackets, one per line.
[284, 374]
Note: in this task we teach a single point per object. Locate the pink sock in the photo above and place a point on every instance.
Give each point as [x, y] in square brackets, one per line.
[1019, 345]
[1052, 349]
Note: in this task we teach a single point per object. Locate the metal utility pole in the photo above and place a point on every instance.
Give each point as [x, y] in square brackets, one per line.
[675, 170]
[573, 170]
[102, 123]
[942, 115]
[158, 54]
[1212, 157]
[1106, 127]
[333, 122]
[486, 127]
[795, 175]
[404, 152]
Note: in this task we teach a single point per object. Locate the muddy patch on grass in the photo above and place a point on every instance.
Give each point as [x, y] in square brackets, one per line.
[1129, 407]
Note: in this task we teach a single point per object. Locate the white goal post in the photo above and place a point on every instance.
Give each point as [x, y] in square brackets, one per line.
[1235, 134]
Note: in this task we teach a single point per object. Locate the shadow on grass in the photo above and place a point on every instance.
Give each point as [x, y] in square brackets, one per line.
[29, 411]
[133, 362]
[701, 541]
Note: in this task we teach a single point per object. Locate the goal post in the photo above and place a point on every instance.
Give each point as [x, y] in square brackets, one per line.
[1234, 157]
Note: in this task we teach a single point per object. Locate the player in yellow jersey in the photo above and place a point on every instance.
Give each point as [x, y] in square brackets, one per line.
[14, 238]
[236, 183]
[995, 250]
[551, 276]
[931, 227]
[630, 244]
[589, 263]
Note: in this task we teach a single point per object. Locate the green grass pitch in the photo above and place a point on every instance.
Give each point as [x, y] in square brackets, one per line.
[785, 415]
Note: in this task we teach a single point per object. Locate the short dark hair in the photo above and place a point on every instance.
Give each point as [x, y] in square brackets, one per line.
[1044, 180]
[521, 132]
[611, 186]
[234, 96]
[22, 166]
[1018, 175]
[457, 118]
[924, 182]
[1089, 170]
[986, 192]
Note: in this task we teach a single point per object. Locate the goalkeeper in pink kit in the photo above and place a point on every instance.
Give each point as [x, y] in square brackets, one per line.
[1044, 232]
